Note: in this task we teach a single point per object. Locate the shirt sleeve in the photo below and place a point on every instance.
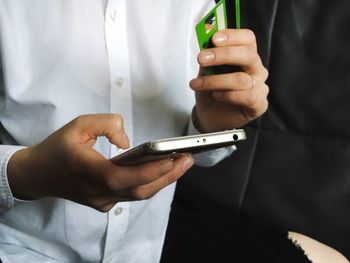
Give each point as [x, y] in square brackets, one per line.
[6, 197]
[209, 158]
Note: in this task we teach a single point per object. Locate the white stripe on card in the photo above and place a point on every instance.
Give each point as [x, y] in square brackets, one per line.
[220, 16]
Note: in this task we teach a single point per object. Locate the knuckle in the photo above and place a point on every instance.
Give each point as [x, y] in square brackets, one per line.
[254, 57]
[116, 121]
[77, 121]
[243, 79]
[266, 90]
[265, 107]
[250, 36]
[265, 74]
[261, 108]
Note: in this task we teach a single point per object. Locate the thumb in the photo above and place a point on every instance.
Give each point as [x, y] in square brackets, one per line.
[111, 126]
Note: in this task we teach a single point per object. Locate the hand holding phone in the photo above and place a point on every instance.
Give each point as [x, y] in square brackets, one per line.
[67, 155]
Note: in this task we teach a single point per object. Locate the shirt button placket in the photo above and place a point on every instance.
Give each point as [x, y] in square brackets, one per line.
[121, 103]
[113, 15]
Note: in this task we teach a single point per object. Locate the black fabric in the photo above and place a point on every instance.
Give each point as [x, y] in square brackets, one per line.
[294, 169]
[207, 238]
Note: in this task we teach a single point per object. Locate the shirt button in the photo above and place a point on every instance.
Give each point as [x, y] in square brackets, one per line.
[119, 82]
[113, 15]
[118, 211]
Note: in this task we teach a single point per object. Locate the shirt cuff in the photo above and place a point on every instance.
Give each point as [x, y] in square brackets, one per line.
[209, 158]
[6, 198]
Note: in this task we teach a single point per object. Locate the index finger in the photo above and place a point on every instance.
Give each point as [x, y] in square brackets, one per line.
[234, 37]
[90, 126]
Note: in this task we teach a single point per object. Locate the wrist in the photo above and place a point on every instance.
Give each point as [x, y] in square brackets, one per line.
[202, 123]
[196, 122]
[18, 174]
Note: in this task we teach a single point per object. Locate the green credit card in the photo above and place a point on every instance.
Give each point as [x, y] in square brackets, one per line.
[214, 21]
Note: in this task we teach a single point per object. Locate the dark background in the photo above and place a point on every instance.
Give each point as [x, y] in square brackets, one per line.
[294, 169]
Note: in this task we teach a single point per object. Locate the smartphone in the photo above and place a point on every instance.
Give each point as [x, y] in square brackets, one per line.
[173, 148]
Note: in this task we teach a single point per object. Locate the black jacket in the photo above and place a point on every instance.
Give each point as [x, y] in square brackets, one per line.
[294, 169]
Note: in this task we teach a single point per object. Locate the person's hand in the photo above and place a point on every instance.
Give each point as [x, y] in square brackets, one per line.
[230, 100]
[65, 165]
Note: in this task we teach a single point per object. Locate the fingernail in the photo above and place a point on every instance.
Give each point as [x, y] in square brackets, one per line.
[196, 83]
[219, 38]
[205, 57]
[187, 164]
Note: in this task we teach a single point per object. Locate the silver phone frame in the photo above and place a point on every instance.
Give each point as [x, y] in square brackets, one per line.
[190, 141]
[177, 146]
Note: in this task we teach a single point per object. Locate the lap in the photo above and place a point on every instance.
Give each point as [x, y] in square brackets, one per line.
[206, 238]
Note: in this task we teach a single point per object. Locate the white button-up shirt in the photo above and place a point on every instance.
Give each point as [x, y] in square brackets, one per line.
[64, 58]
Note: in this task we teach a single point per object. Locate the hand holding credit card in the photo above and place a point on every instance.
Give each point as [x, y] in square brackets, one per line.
[230, 89]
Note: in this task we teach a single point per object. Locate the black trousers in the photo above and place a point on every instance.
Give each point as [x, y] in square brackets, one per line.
[193, 237]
